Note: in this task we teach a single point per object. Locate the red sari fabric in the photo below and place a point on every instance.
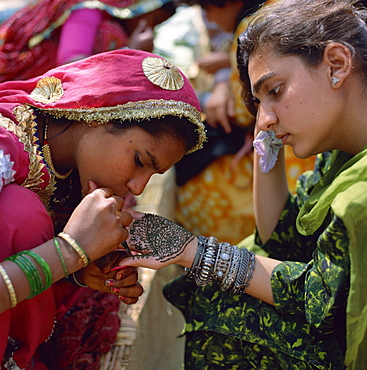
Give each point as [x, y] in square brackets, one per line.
[31, 321]
[24, 224]
[20, 61]
[77, 324]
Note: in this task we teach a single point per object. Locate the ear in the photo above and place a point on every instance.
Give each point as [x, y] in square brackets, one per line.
[339, 59]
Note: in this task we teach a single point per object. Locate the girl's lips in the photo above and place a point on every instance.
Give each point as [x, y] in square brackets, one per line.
[285, 139]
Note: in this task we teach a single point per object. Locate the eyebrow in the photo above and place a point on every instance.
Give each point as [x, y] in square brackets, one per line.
[258, 84]
[153, 161]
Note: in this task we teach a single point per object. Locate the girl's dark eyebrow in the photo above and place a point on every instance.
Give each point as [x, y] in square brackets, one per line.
[257, 85]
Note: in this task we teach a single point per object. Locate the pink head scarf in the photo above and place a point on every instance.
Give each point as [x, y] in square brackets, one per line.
[117, 85]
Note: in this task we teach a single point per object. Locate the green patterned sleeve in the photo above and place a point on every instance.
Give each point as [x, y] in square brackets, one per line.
[317, 289]
[286, 243]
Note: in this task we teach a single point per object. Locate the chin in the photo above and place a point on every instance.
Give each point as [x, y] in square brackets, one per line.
[301, 154]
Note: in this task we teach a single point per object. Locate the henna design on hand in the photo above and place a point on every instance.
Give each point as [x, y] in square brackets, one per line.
[155, 236]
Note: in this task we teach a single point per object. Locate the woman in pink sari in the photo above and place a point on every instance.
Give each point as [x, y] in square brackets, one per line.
[100, 126]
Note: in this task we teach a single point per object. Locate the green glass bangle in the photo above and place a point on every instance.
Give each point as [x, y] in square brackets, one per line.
[44, 267]
[58, 249]
[31, 272]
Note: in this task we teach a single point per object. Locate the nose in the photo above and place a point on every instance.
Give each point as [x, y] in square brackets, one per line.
[266, 118]
[137, 184]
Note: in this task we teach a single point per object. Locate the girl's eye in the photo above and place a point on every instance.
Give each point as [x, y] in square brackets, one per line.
[138, 162]
[275, 91]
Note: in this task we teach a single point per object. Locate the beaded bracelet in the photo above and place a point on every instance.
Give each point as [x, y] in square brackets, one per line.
[9, 286]
[58, 250]
[44, 267]
[77, 248]
[31, 272]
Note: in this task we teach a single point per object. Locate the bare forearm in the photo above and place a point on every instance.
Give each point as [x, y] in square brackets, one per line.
[19, 280]
[270, 196]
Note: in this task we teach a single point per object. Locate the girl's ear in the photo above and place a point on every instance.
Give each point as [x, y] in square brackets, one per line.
[339, 59]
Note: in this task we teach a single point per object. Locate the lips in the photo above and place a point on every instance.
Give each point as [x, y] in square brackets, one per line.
[284, 138]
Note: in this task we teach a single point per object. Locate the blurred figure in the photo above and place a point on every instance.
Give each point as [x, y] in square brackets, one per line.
[48, 33]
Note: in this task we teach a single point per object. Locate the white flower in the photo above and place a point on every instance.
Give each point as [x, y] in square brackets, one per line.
[6, 169]
[267, 147]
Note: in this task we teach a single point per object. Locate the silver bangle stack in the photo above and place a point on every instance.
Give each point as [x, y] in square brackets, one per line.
[231, 267]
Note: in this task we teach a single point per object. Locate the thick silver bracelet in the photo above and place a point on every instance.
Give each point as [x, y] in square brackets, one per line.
[232, 272]
[224, 256]
[204, 275]
[249, 272]
[243, 268]
[193, 270]
[230, 266]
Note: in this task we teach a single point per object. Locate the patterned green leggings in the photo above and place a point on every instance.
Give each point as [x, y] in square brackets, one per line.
[211, 351]
[226, 331]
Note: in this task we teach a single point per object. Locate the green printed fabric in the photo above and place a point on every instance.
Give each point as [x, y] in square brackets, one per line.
[319, 318]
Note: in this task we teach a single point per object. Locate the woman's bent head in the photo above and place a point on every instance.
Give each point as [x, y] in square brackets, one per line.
[113, 116]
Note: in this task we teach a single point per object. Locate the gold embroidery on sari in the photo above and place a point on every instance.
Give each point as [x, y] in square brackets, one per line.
[25, 131]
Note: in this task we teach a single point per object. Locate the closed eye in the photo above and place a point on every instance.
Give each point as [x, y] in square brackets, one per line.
[138, 162]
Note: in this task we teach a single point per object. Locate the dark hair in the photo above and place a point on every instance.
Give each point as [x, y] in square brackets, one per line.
[180, 128]
[303, 28]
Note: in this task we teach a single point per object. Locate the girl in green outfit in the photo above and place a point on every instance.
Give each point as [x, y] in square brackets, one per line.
[294, 295]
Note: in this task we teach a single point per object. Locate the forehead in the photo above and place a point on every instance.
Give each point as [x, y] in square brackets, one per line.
[265, 64]
[262, 62]
[261, 58]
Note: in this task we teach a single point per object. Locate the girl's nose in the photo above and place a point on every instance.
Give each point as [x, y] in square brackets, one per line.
[266, 119]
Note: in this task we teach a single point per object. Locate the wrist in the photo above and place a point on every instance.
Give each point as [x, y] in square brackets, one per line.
[190, 253]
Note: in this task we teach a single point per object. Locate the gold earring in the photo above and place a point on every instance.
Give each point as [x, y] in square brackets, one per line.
[46, 151]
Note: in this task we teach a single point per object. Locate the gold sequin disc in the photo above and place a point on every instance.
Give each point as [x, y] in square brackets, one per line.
[48, 90]
[162, 73]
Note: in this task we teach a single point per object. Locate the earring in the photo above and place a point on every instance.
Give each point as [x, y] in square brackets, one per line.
[334, 80]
